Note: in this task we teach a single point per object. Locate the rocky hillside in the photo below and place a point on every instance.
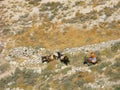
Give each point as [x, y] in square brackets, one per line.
[60, 24]
[32, 28]
[22, 69]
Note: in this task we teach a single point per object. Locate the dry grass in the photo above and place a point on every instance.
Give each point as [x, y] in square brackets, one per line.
[4, 67]
[87, 77]
[52, 65]
[72, 37]
[20, 60]
[113, 70]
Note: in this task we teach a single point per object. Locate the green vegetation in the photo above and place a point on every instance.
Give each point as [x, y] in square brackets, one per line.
[4, 67]
[51, 6]
[100, 67]
[76, 81]
[21, 78]
[4, 82]
[6, 31]
[80, 3]
[34, 2]
[115, 47]
[82, 18]
[113, 71]
[77, 59]
[117, 87]
[64, 71]
[27, 79]
[107, 52]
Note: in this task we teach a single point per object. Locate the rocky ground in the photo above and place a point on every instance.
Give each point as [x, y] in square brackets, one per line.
[89, 76]
[32, 28]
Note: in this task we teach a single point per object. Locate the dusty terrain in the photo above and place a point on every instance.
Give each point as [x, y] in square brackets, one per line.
[32, 28]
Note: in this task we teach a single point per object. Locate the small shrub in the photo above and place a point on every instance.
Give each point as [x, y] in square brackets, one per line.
[65, 8]
[117, 63]
[98, 55]
[34, 2]
[86, 77]
[4, 82]
[92, 15]
[114, 76]
[89, 78]
[116, 87]
[64, 71]
[77, 59]
[21, 32]
[44, 87]
[4, 67]
[80, 83]
[68, 86]
[43, 7]
[89, 39]
[108, 11]
[87, 88]
[117, 60]
[115, 47]
[99, 68]
[113, 71]
[30, 77]
[118, 5]
[103, 24]
[80, 3]
[6, 31]
[107, 52]
[51, 6]
[22, 78]
[46, 73]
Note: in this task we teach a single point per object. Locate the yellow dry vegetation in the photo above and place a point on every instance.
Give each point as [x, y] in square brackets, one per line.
[71, 37]
[53, 85]
[20, 59]
[52, 65]
[87, 77]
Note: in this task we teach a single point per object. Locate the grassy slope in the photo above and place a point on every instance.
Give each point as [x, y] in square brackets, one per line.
[107, 70]
[72, 37]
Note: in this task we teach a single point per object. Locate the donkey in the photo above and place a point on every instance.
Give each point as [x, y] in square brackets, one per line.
[47, 59]
[63, 58]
